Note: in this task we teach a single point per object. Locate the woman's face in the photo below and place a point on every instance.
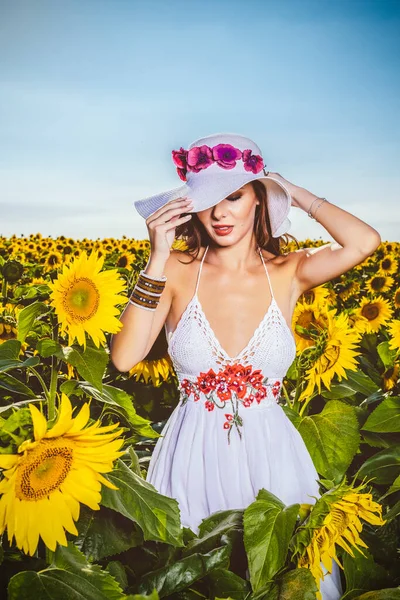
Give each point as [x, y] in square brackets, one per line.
[237, 210]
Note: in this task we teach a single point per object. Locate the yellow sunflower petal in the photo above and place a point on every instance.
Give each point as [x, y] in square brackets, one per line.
[39, 423]
[64, 418]
[84, 495]
[8, 460]
[48, 479]
[28, 528]
[106, 482]
[80, 420]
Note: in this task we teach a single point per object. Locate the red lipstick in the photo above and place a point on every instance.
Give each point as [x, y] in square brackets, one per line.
[222, 230]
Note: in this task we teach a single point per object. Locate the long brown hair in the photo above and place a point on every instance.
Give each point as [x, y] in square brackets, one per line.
[195, 235]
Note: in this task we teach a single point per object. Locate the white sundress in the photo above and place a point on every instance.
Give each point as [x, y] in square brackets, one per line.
[215, 452]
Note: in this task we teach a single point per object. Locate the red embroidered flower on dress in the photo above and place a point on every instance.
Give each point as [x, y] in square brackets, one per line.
[236, 384]
[224, 155]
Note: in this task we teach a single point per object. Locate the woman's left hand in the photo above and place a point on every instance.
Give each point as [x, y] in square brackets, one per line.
[291, 188]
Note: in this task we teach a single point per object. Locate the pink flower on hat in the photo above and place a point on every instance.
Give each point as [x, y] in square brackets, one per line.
[180, 159]
[199, 158]
[225, 155]
[252, 162]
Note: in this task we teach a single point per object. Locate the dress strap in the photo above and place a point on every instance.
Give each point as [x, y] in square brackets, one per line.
[198, 275]
[266, 270]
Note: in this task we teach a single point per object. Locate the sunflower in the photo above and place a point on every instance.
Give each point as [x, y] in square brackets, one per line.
[317, 296]
[389, 264]
[341, 526]
[391, 377]
[394, 331]
[84, 299]
[46, 480]
[154, 371]
[372, 314]
[331, 353]
[396, 298]
[379, 283]
[53, 259]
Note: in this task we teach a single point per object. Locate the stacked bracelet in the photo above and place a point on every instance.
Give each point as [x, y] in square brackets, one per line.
[147, 291]
[309, 212]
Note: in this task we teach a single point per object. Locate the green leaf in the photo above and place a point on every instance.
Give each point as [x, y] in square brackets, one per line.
[386, 355]
[104, 533]
[363, 573]
[153, 596]
[380, 440]
[48, 347]
[15, 386]
[16, 422]
[332, 438]
[292, 585]
[69, 577]
[358, 381]
[117, 570]
[268, 527]
[388, 594]
[393, 512]
[9, 364]
[90, 363]
[395, 487]
[27, 316]
[222, 582]
[383, 467]
[157, 515]
[10, 349]
[183, 573]
[19, 404]
[386, 417]
[119, 401]
[215, 530]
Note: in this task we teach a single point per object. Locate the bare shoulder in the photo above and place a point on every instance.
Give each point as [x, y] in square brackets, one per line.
[286, 267]
[287, 260]
[179, 265]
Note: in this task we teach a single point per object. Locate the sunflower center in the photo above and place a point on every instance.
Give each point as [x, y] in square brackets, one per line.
[378, 283]
[370, 311]
[82, 299]
[43, 471]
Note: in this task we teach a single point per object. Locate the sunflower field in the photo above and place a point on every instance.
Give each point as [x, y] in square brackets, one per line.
[78, 520]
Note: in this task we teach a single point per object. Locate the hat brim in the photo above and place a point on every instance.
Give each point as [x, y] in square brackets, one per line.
[208, 194]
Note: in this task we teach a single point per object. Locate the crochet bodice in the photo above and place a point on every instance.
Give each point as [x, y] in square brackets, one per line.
[194, 348]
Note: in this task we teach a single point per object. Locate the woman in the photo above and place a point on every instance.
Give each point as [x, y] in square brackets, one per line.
[227, 317]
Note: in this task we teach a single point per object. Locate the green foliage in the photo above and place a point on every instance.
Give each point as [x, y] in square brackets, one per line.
[332, 438]
[268, 528]
[139, 501]
[135, 547]
[70, 577]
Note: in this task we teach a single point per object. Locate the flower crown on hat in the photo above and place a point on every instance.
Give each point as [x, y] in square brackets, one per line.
[224, 155]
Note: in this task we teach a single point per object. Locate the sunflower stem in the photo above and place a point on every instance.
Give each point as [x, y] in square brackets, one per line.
[4, 291]
[42, 382]
[51, 408]
[306, 403]
[299, 385]
[285, 392]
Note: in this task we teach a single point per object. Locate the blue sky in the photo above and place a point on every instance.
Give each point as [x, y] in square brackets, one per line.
[94, 95]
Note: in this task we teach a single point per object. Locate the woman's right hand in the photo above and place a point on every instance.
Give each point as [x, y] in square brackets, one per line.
[162, 223]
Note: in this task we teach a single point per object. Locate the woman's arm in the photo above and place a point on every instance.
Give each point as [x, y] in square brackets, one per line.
[355, 240]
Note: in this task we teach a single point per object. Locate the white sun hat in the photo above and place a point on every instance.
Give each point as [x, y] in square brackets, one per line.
[213, 168]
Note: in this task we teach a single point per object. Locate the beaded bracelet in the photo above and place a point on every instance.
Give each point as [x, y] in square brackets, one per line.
[147, 291]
